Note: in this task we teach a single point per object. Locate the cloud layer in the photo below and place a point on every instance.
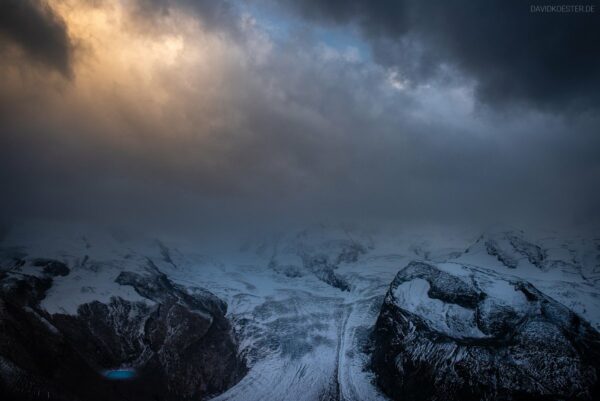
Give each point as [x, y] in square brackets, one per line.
[183, 114]
[38, 31]
[549, 60]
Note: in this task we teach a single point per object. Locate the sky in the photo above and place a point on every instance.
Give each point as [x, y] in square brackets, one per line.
[181, 114]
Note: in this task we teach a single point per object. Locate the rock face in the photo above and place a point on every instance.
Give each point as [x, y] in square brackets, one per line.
[511, 247]
[449, 332]
[179, 342]
[319, 251]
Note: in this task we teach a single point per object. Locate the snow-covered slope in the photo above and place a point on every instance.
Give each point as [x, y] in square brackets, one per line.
[303, 303]
[567, 269]
[451, 332]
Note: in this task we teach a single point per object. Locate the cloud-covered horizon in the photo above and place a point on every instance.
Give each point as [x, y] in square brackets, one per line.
[187, 113]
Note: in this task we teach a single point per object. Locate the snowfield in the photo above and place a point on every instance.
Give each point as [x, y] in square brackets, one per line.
[303, 304]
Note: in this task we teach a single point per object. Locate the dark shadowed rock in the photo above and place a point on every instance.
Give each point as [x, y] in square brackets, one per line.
[324, 270]
[511, 247]
[36, 361]
[178, 341]
[52, 267]
[448, 332]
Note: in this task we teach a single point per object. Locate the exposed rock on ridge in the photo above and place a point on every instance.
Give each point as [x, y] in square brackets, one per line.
[179, 342]
[453, 333]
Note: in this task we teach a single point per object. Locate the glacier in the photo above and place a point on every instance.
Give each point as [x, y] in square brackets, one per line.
[301, 305]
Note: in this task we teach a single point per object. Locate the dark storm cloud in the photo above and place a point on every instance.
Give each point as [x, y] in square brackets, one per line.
[34, 27]
[549, 60]
[169, 122]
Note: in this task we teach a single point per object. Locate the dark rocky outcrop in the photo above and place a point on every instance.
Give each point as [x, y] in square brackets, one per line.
[179, 342]
[36, 361]
[324, 270]
[52, 267]
[511, 247]
[321, 251]
[455, 333]
[493, 249]
[534, 253]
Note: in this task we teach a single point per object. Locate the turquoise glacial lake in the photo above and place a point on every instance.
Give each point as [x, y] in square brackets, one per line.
[120, 374]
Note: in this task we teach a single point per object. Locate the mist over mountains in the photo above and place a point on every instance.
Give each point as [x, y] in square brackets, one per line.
[314, 200]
